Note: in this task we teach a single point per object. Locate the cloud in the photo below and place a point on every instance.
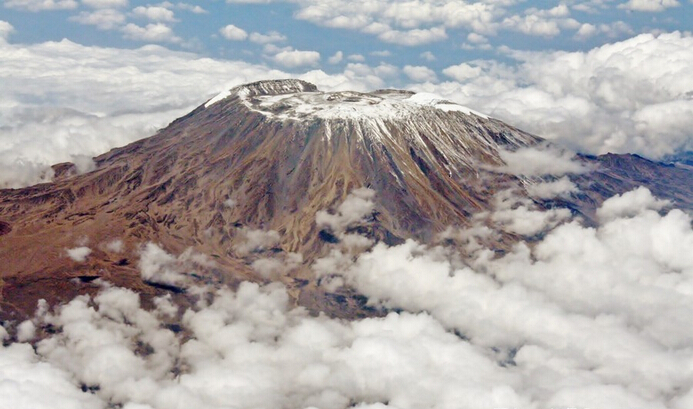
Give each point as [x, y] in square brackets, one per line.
[193, 8]
[105, 4]
[630, 204]
[28, 382]
[428, 56]
[519, 216]
[591, 6]
[536, 161]
[562, 187]
[413, 37]
[35, 138]
[296, 58]
[462, 72]
[475, 38]
[115, 246]
[104, 19]
[414, 23]
[420, 73]
[381, 53]
[151, 33]
[546, 22]
[250, 349]
[586, 30]
[357, 206]
[270, 37]
[157, 266]
[628, 96]
[560, 10]
[336, 58]
[648, 5]
[549, 298]
[41, 5]
[26, 331]
[233, 33]
[611, 30]
[154, 13]
[370, 77]
[271, 268]
[576, 105]
[580, 317]
[114, 98]
[532, 25]
[620, 97]
[255, 240]
[5, 30]
[409, 23]
[79, 254]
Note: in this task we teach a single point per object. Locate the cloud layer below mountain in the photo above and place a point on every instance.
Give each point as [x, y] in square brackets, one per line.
[586, 317]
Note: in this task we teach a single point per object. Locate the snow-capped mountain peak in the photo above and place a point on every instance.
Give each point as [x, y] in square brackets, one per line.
[296, 99]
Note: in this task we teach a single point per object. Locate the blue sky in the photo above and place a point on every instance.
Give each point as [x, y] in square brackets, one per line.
[79, 77]
[399, 33]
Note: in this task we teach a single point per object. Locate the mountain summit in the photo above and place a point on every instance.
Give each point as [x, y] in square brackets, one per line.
[285, 150]
[252, 170]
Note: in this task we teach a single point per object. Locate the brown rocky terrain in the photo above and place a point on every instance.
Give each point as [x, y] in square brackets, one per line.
[269, 156]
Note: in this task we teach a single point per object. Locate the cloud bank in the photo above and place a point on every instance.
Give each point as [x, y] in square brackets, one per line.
[585, 317]
[62, 100]
[630, 96]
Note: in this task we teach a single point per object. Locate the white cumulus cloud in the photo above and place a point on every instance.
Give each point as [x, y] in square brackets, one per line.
[538, 161]
[649, 5]
[414, 37]
[79, 254]
[153, 32]
[116, 97]
[580, 317]
[628, 96]
[419, 73]
[267, 38]
[5, 30]
[41, 5]
[154, 13]
[562, 187]
[104, 19]
[233, 33]
[105, 4]
[336, 58]
[296, 58]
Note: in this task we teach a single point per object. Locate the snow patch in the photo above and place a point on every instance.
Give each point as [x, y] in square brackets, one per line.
[220, 96]
[298, 100]
[436, 101]
[350, 105]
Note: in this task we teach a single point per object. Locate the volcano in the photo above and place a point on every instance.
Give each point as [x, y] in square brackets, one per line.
[260, 162]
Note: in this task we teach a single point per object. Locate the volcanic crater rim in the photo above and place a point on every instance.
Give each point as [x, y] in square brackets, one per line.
[298, 99]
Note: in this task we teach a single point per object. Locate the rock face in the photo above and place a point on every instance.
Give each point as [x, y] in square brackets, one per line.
[267, 155]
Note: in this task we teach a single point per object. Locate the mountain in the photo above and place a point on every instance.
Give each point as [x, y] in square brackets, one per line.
[256, 164]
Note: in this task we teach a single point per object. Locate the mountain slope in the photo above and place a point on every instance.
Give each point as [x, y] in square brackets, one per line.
[264, 157]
